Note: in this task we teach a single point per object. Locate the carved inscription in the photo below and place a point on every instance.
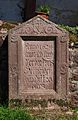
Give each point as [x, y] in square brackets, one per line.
[38, 65]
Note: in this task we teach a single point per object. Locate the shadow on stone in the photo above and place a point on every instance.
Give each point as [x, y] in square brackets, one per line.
[4, 72]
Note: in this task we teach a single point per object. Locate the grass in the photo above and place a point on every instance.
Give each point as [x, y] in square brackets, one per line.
[22, 114]
[56, 114]
[14, 114]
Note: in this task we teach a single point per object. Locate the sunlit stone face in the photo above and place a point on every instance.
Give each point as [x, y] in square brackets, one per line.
[11, 10]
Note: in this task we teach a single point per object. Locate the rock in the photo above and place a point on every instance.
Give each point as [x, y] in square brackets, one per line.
[69, 113]
[1, 22]
[64, 108]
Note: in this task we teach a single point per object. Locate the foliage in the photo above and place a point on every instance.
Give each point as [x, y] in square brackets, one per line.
[58, 116]
[73, 30]
[44, 8]
[73, 33]
[14, 114]
[74, 117]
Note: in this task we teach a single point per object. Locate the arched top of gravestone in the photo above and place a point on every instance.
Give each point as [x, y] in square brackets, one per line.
[38, 26]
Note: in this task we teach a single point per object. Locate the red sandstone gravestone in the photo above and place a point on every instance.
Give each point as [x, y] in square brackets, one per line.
[38, 60]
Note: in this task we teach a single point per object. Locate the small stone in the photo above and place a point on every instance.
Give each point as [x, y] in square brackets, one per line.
[1, 22]
[64, 108]
[72, 44]
[69, 113]
[48, 104]
[3, 30]
[39, 106]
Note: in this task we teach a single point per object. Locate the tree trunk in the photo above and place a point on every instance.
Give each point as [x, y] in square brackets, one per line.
[29, 10]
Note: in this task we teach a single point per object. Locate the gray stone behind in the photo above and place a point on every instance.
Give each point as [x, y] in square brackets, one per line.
[62, 11]
[73, 75]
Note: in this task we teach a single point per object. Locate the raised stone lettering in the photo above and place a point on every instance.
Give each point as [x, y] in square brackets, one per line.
[38, 67]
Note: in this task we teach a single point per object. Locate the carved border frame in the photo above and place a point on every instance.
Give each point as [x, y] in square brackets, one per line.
[62, 59]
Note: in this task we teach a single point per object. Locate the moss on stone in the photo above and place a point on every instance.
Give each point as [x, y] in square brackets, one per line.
[73, 37]
[8, 25]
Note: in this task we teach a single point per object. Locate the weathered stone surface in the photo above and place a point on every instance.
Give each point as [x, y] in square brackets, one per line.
[74, 99]
[38, 60]
[73, 86]
[73, 75]
[4, 28]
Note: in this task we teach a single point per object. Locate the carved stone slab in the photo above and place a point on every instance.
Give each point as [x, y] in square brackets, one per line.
[37, 64]
[38, 60]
